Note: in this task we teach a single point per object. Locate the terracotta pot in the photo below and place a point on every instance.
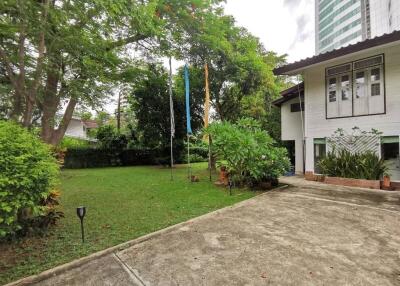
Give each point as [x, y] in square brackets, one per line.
[223, 176]
[386, 182]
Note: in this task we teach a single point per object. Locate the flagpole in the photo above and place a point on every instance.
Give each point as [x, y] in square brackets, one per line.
[188, 125]
[172, 121]
[206, 115]
[188, 157]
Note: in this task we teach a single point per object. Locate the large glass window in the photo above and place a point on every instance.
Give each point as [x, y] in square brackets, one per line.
[360, 84]
[345, 87]
[332, 89]
[364, 79]
[375, 82]
[319, 153]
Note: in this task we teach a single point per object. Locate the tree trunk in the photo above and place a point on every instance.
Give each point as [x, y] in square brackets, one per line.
[58, 134]
[119, 111]
[51, 100]
[212, 158]
[28, 112]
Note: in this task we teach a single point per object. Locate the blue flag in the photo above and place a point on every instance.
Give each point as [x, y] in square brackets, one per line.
[188, 126]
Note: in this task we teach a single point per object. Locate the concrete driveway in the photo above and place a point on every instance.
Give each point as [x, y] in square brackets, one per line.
[304, 235]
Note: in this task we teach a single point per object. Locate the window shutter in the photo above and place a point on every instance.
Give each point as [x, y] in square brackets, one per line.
[362, 64]
[338, 70]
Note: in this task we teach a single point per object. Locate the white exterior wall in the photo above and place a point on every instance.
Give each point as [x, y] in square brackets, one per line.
[316, 124]
[292, 131]
[75, 129]
[385, 16]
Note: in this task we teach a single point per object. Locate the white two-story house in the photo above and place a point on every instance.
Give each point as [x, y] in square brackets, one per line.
[354, 86]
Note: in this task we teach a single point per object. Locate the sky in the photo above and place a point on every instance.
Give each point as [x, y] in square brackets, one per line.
[283, 26]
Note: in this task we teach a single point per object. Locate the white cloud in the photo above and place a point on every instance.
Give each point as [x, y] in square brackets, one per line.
[283, 26]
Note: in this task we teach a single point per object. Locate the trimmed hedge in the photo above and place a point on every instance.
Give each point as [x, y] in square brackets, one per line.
[78, 158]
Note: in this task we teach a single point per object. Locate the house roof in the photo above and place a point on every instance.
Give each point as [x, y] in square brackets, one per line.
[90, 123]
[290, 93]
[367, 44]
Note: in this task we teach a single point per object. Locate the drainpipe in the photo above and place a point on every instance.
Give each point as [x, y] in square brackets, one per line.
[302, 122]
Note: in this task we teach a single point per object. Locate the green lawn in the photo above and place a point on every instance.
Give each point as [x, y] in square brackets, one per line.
[122, 204]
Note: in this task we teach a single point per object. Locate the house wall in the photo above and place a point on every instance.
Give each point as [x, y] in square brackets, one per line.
[75, 129]
[292, 131]
[316, 124]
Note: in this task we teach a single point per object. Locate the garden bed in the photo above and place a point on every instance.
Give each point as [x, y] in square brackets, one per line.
[349, 182]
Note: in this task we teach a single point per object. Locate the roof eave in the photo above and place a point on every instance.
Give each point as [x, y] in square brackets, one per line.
[377, 42]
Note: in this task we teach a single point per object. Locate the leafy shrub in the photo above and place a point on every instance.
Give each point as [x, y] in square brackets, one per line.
[343, 163]
[68, 142]
[76, 158]
[251, 155]
[110, 138]
[28, 174]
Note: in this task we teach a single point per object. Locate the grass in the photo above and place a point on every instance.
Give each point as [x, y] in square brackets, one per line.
[122, 204]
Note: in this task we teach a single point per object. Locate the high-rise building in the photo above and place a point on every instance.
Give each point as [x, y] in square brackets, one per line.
[342, 22]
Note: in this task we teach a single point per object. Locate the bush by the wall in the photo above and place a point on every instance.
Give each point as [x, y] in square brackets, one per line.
[249, 153]
[28, 174]
[366, 165]
[92, 157]
[69, 142]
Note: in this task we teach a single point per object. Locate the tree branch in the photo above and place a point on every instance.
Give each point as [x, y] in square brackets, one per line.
[39, 63]
[59, 133]
[125, 41]
[10, 72]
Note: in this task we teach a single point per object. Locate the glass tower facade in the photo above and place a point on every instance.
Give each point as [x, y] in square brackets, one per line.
[343, 22]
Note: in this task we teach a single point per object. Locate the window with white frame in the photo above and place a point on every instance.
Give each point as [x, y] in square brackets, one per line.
[356, 88]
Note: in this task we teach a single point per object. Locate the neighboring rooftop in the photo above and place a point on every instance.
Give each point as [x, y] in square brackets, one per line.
[367, 44]
[90, 123]
[290, 93]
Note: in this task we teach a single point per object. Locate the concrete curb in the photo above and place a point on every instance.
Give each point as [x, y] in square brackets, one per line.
[314, 185]
[97, 255]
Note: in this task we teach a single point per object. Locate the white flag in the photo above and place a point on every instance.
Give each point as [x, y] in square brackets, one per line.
[171, 102]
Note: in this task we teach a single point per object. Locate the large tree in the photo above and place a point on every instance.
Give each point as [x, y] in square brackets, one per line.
[57, 54]
[150, 103]
[240, 69]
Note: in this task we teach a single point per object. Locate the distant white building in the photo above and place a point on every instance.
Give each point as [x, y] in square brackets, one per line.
[79, 128]
[354, 86]
[339, 23]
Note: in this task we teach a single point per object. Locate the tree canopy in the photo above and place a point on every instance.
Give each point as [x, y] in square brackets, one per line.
[57, 55]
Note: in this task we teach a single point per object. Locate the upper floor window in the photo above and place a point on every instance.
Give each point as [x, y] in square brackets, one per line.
[355, 88]
[297, 107]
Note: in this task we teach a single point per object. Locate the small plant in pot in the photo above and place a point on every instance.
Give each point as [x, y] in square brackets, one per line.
[249, 154]
[386, 181]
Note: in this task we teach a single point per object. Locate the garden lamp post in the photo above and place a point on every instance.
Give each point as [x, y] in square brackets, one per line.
[81, 211]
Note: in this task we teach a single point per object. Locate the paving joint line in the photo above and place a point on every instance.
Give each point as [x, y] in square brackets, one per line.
[129, 270]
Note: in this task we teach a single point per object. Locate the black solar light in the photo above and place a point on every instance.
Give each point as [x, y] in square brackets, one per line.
[81, 211]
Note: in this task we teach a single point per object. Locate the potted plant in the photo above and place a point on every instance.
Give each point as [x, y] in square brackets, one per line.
[386, 181]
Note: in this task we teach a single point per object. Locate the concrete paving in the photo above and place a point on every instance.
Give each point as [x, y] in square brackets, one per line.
[304, 235]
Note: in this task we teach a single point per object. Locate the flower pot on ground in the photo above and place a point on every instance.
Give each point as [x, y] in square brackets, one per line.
[386, 181]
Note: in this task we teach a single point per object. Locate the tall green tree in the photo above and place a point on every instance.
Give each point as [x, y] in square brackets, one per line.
[63, 53]
[150, 103]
